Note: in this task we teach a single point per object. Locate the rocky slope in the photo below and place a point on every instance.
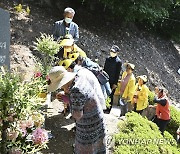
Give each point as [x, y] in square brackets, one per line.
[156, 57]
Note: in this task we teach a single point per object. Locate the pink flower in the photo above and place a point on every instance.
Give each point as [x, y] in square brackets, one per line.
[22, 124]
[29, 123]
[47, 78]
[37, 74]
[12, 135]
[39, 136]
[15, 151]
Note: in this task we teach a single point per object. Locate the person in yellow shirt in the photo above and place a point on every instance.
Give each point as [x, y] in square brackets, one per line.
[141, 94]
[68, 46]
[127, 88]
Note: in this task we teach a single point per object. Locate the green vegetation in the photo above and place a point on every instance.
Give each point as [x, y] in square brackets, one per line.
[160, 15]
[48, 48]
[151, 96]
[174, 122]
[19, 105]
[140, 136]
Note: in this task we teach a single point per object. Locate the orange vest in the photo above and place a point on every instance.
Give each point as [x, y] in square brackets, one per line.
[163, 112]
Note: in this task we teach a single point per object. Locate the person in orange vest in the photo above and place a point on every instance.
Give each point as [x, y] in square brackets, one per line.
[162, 117]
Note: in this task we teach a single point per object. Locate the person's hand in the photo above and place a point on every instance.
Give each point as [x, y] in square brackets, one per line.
[151, 106]
[59, 96]
[114, 86]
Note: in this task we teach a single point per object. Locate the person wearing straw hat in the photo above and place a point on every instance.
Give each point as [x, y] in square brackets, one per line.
[127, 88]
[66, 26]
[140, 98]
[85, 97]
[68, 46]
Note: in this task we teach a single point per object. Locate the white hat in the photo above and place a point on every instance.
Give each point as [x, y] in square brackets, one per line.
[59, 76]
[143, 77]
[129, 64]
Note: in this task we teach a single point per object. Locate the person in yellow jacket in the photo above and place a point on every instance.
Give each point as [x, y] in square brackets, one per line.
[126, 88]
[68, 45]
[141, 94]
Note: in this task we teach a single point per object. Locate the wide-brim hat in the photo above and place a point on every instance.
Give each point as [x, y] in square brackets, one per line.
[129, 64]
[143, 77]
[67, 42]
[59, 76]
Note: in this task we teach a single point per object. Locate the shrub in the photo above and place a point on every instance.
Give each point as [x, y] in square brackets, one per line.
[141, 136]
[174, 122]
[151, 96]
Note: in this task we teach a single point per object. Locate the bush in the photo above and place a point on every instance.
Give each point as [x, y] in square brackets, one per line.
[141, 136]
[151, 96]
[174, 122]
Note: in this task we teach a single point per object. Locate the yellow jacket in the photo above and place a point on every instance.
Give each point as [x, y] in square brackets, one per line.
[142, 97]
[79, 50]
[130, 87]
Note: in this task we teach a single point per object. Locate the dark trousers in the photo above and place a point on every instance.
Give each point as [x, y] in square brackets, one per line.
[161, 124]
[111, 103]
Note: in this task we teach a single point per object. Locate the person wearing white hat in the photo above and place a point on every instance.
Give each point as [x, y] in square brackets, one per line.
[127, 88]
[141, 94]
[86, 99]
[68, 46]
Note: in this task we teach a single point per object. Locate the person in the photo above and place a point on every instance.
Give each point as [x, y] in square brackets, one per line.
[68, 45]
[127, 89]
[162, 117]
[97, 71]
[66, 26]
[112, 67]
[141, 95]
[85, 97]
[75, 61]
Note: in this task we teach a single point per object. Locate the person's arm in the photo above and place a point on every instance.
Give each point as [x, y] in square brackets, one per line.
[131, 90]
[161, 101]
[55, 27]
[77, 102]
[76, 35]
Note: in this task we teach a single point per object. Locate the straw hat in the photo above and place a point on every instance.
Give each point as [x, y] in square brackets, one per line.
[67, 42]
[143, 77]
[129, 64]
[59, 76]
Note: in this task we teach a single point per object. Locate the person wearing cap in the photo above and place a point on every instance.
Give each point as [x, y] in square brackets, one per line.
[66, 26]
[140, 98]
[162, 117]
[112, 67]
[85, 97]
[127, 88]
[68, 45]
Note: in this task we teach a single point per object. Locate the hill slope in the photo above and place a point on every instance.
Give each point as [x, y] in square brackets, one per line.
[153, 56]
